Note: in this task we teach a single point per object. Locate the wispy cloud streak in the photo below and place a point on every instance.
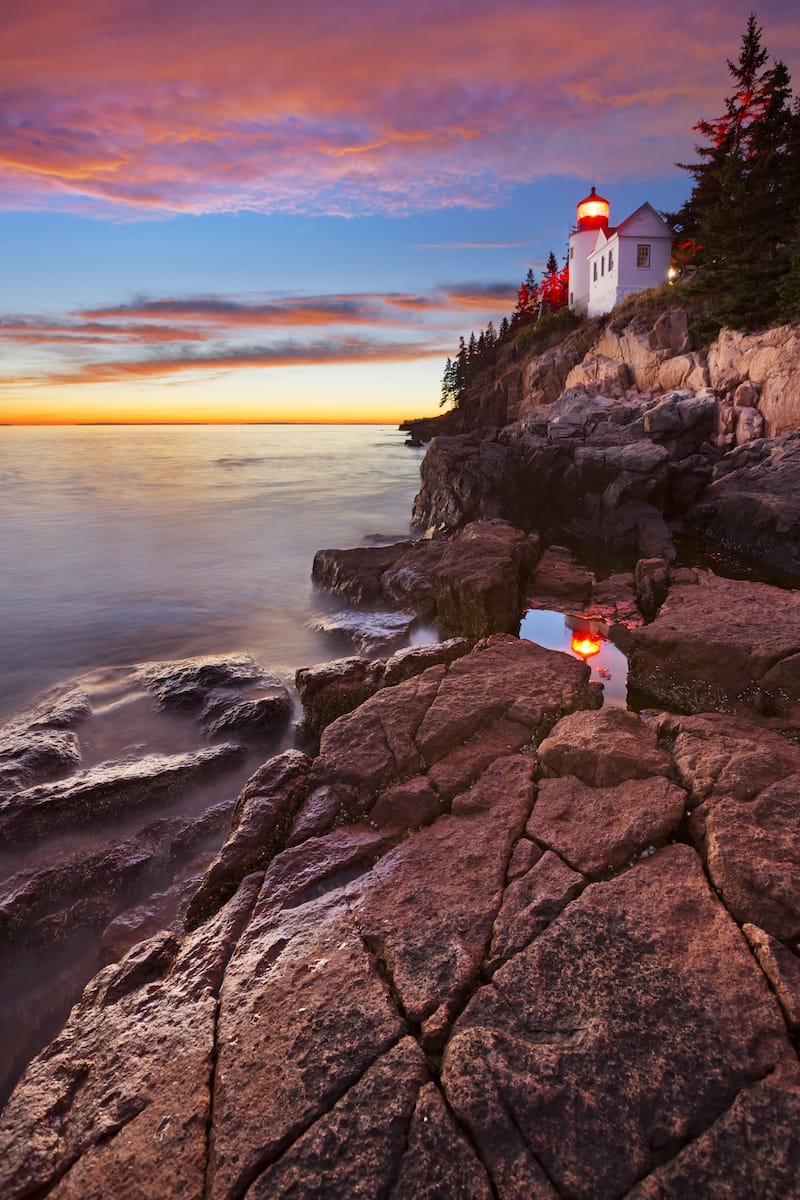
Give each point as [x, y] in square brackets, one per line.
[348, 108]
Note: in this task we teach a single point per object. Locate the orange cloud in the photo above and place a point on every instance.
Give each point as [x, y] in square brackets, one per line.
[352, 107]
[347, 351]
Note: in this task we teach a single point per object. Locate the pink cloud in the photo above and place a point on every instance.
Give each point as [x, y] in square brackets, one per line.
[351, 107]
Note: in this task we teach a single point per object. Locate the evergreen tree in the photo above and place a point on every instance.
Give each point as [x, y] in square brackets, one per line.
[448, 383]
[505, 329]
[737, 223]
[461, 372]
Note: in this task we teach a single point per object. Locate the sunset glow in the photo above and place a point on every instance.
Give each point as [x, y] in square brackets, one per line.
[283, 213]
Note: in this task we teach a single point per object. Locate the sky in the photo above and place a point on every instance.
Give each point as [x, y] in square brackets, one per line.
[273, 211]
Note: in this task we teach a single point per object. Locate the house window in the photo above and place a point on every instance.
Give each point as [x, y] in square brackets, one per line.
[610, 260]
[643, 255]
[603, 265]
[571, 299]
[572, 251]
[594, 272]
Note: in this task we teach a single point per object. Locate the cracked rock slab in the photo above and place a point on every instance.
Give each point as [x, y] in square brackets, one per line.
[782, 969]
[752, 848]
[303, 1014]
[427, 909]
[356, 1148]
[531, 903]
[505, 690]
[123, 1091]
[751, 1151]
[720, 755]
[599, 828]
[625, 1029]
[439, 1161]
[261, 819]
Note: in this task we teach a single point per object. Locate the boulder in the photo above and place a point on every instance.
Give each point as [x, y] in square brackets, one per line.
[39, 744]
[720, 644]
[604, 748]
[560, 582]
[471, 582]
[751, 507]
[464, 479]
[370, 632]
[599, 375]
[226, 692]
[330, 689]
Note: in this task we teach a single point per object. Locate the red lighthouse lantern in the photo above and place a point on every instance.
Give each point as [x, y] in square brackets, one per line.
[593, 212]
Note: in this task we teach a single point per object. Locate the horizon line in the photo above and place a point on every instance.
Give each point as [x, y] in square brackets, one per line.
[136, 424]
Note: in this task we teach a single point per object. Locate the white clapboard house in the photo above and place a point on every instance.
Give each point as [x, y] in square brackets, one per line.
[608, 263]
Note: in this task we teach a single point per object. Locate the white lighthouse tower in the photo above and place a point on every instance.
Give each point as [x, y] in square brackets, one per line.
[593, 214]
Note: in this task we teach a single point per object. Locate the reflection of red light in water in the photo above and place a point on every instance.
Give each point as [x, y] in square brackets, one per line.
[586, 644]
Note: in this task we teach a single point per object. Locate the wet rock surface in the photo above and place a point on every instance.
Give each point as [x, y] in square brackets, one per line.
[114, 785]
[471, 583]
[225, 693]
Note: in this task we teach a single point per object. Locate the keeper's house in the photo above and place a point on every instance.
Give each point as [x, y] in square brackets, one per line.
[608, 263]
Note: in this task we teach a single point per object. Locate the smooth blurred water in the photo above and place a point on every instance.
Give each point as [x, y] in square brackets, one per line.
[121, 544]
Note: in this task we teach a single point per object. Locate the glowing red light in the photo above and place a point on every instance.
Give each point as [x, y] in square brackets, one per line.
[593, 208]
[586, 644]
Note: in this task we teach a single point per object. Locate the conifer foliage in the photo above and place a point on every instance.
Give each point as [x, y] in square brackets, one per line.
[533, 301]
[738, 227]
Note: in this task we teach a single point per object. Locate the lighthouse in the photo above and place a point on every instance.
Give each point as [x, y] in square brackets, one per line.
[593, 214]
[607, 263]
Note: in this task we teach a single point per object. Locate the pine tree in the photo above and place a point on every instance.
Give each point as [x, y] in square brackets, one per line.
[737, 223]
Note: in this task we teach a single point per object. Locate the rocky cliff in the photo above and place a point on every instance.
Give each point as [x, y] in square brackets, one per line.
[633, 443]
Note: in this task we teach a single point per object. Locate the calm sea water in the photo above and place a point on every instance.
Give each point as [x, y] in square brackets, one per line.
[126, 544]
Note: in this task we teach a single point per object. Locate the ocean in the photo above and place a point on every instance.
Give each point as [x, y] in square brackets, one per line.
[124, 544]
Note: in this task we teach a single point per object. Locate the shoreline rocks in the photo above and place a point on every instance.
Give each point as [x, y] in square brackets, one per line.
[502, 887]
[491, 939]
